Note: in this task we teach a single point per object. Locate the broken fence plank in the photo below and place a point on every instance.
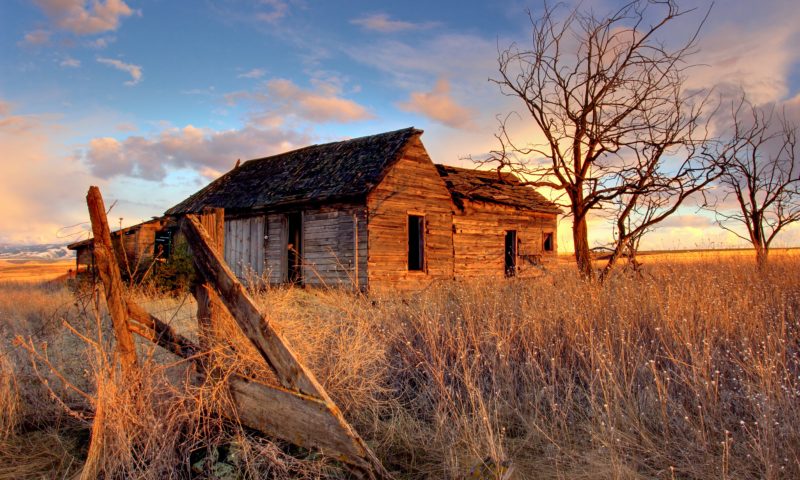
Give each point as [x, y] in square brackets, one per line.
[160, 333]
[254, 325]
[339, 437]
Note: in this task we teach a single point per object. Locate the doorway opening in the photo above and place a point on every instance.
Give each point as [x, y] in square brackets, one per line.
[511, 253]
[294, 247]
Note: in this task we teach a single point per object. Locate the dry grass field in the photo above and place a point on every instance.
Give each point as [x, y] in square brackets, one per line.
[34, 270]
[689, 369]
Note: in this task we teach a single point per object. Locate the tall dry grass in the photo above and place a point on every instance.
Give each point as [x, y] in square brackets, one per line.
[687, 371]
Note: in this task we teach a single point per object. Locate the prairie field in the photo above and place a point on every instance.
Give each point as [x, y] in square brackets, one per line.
[686, 369]
[34, 270]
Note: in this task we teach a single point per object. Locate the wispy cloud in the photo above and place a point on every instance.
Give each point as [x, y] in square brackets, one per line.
[381, 22]
[82, 17]
[280, 97]
[254, 73]
[126, 127]
[458, 56]
[135, 71]
[70, 62]
[439, 105]
[37, 37]
[276, 9]
[101, 42]
[199, 91]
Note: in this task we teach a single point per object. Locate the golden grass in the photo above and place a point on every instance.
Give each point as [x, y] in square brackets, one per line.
[34, 270]
[689, 370]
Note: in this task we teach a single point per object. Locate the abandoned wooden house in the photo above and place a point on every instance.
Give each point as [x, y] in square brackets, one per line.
[375, 213]
[136, 246]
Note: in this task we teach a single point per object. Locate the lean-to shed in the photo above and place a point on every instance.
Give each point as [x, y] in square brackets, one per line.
[375, 212]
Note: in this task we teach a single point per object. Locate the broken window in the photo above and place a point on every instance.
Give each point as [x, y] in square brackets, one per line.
[547, 242]
[416, 242]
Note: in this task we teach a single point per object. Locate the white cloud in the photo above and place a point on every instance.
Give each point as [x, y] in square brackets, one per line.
[380, 22]
[254, 73]
[37, 37]
[135, 71]
[759, 61]
[199, 149]
[82, 17]
[439, 105]
[70, 62]
[279, 97]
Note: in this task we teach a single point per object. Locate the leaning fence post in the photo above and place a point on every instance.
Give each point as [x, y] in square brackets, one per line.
[209, 305]
[108, 271]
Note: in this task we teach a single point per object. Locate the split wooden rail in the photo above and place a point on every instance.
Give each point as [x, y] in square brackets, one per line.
[299, 410]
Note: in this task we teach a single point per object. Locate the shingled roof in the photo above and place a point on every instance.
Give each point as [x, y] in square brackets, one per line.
[333, 171]
[490, 186]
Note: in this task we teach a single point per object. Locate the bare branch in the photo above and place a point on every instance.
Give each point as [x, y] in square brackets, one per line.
[619, 134]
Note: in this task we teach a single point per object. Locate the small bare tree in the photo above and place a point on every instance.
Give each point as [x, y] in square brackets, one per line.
[761, 173]
[621, 135]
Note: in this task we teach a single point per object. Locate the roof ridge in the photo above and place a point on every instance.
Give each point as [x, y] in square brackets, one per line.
[335, 170]
[329, 144]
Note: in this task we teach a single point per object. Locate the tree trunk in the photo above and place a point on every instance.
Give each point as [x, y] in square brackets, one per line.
[762, 254]
[580, 238]
[612, 261]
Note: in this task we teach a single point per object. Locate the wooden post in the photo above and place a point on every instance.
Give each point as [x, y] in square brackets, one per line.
[209, 306]
[108, 270]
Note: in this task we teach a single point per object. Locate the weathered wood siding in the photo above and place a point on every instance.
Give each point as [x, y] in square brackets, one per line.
[412, 186]
[479, 239]
[244, 247]
[276, 253]
[329, 245]
[135, 245]
[84, 256]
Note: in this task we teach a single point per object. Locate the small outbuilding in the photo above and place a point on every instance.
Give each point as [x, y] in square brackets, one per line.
[375, 213]
[136, 247]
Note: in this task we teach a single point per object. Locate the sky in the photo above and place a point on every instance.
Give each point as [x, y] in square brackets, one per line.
[152, 99]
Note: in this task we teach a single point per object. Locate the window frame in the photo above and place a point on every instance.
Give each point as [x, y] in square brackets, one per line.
[551, 237]
[421, 242]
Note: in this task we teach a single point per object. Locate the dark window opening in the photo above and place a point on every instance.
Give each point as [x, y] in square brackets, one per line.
[511, 253]
[163, 243]
[416, 242]
[547, 244]
[294, 247]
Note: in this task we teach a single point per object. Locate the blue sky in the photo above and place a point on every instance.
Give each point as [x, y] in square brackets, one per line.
[152, 99]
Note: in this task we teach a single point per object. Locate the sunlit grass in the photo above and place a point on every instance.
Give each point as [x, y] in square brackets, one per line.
[690, 369]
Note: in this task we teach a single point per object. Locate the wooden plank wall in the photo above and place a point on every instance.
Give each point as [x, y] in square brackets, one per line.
[84, 255]
[277, 261]
[413, 186]
[329, 245]
[479, 239]
[244, 247]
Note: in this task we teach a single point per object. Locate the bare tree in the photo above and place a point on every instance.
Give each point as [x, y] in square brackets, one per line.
[621, 135]
[761, 173]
